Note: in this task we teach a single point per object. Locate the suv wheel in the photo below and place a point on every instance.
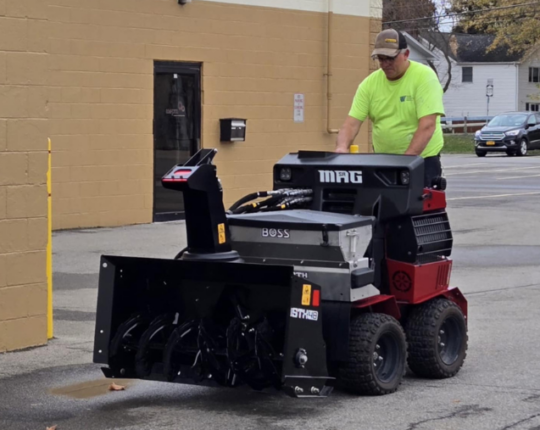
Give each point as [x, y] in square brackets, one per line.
[523, 148]
[480, 153]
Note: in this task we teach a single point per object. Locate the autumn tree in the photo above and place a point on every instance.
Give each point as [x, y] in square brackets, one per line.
[514, 23]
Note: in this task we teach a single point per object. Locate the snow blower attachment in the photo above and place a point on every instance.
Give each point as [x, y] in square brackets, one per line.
[338, 276]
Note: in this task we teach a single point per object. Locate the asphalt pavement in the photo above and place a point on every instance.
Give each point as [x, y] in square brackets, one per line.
[494, 210]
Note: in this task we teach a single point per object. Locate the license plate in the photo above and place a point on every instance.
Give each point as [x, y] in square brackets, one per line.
[490, 143]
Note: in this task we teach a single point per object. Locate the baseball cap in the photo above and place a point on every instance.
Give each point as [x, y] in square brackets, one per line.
[389, 43]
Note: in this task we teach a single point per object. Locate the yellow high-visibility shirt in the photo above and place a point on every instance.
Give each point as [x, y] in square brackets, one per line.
[395, 108]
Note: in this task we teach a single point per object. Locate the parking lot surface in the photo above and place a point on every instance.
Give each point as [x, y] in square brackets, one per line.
[494, 210]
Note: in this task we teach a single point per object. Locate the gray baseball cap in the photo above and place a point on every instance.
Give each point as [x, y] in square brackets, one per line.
[389, 43]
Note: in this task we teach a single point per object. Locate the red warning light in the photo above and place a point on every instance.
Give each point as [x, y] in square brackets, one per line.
[316, 298]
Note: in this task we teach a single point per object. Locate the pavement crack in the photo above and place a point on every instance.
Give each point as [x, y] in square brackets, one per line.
[533, 398]
[475, 293]
[524, 420]
[462, 412]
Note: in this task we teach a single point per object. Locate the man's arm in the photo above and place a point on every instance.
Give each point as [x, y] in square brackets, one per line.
[424, 133]
[347, 133]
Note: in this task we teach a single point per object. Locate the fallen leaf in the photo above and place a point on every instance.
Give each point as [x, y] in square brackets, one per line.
[457, 401]
[116, 387]
[51, 428]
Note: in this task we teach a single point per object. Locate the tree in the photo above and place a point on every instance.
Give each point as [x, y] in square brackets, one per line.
[405, 15]
[421, 20]
[513, 22]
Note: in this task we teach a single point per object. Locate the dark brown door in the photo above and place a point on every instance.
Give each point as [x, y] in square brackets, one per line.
[177, 129]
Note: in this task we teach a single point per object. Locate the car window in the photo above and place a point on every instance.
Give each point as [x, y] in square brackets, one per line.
[532, 120]
[537, 118]
[507, 120]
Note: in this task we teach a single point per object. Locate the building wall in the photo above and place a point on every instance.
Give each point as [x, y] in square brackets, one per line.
[529, 92]
[255, 58]
[23, 165]
[469, 98]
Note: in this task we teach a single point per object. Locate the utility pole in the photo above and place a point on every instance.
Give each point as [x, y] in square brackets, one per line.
[489, 93]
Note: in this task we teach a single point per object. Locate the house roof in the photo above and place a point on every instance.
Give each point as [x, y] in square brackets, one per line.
[412, 42]
[471, 48]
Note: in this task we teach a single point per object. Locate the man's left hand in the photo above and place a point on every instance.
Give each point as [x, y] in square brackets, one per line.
[424, 133]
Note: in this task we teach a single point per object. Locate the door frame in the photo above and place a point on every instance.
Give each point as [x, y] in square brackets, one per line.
[184, 68]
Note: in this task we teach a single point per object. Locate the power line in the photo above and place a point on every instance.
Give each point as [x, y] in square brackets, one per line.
[430, 27]
[452, 15]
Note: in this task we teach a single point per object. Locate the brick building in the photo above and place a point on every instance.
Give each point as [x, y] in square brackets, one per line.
[127, 88]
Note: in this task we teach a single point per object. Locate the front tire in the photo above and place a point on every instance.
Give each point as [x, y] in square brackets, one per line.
[437, 338]
[377, 356]
[523, 148]
[480, 153]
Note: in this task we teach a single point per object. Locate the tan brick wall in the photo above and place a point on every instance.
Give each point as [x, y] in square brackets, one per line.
[23, 163]
[100, 94]
[374, 30]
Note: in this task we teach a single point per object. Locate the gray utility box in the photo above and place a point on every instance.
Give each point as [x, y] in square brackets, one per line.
[325, 248]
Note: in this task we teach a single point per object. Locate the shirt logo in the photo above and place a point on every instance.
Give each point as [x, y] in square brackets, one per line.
[405, 99]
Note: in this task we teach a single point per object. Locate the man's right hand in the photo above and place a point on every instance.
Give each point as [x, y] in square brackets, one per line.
[342, 150]
[348, 132]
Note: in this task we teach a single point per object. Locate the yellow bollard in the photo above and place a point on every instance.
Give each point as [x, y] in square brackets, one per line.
[50, 331]
[355, 149]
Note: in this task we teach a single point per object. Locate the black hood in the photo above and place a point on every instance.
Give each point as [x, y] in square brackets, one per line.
[500, 129]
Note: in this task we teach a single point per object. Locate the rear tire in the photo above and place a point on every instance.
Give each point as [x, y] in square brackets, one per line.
[378, 355]
[437, 338]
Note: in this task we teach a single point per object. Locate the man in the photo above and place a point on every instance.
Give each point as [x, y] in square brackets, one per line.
[404, 100]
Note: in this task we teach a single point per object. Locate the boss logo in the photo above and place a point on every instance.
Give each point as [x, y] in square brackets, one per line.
[340, 177]
[304, 314]
[276, 233]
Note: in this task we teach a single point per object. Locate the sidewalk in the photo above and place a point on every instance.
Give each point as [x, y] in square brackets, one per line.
[37, 373]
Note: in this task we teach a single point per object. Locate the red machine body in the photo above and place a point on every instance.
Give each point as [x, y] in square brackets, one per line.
[416, 283]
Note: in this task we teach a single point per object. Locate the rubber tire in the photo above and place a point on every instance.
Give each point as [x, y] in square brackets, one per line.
[358, 375]
[422, 329]
[519, 153]
[480, 153]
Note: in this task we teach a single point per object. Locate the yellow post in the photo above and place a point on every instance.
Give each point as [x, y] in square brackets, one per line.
[50, 332]
[355, 149]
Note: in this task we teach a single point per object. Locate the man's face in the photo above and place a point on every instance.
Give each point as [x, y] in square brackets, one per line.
[394, 67]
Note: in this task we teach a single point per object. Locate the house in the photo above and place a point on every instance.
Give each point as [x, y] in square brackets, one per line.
[511, 78]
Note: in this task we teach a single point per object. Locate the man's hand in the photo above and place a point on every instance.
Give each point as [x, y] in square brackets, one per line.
[424, 133]
[347, 133]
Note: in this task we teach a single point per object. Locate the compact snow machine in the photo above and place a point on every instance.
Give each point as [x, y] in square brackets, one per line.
[337, 277]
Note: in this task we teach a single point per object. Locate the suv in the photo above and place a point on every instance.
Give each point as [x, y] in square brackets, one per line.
[514, 133]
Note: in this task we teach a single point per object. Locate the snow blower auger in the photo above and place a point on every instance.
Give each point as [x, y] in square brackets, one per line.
[337, 277]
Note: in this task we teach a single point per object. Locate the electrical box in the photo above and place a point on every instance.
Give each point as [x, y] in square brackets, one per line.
[233, 130]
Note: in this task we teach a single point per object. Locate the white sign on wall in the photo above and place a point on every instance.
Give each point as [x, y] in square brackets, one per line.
[299, 106]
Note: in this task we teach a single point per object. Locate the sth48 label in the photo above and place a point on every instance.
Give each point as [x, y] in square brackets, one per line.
[304, 314]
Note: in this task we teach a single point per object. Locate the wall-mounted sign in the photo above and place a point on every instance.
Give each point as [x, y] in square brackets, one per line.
[299, 106]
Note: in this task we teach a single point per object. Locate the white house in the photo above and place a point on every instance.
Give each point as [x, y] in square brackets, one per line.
[515, 78]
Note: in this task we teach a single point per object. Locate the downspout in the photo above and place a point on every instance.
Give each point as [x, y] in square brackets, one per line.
[329, 68]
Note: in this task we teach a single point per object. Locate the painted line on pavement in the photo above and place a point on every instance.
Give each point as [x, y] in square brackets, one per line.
[492, 171]
[459, 166]
[495, 196]
[517, 177]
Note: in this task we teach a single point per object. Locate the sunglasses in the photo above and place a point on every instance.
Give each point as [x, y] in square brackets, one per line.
[386, 59]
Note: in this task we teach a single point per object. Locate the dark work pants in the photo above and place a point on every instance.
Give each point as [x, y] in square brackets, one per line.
[432, 169]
